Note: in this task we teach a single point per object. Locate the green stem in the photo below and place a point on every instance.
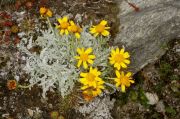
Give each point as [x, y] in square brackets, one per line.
[51, 26]
[108, 78]
[21, 86]
[112, 86]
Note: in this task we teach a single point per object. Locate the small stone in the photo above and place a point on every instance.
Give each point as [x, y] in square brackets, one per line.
[30, 112]
[152, 97]
[5, 115]
[50, 106]
[160, 107]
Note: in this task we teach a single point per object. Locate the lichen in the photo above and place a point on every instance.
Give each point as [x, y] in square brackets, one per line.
[98, 108]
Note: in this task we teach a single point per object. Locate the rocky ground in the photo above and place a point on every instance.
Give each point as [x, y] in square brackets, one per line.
[154, 95]
[156, 92]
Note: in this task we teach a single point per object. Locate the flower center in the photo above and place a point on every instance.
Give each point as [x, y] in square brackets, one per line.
[100, 28]
[90, 77]
[119, 58]
[84, 57]
[125, 80]
[64, 25]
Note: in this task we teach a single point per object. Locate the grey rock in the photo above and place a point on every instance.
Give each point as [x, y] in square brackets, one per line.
[146, 33]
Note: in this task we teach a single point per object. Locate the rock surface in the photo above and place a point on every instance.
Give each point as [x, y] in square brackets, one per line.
[146, 33]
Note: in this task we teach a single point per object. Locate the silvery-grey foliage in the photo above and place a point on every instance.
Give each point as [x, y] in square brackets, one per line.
[55, 65]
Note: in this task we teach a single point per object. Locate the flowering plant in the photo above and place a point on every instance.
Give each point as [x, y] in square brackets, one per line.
[69, 54]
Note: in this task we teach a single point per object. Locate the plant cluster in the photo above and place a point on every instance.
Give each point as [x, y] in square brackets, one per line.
[69, 53]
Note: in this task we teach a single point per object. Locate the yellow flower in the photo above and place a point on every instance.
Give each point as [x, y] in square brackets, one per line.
[49, 13]
[84, 57]
[100, 29]
[42, 10]
[123, 80]
[92, 84]
[63, 25]
[45, 12]
[75, 29]
[91, 79]
[119, 58]
[91, 92]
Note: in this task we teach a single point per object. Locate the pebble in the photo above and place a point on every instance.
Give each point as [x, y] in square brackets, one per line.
[152, 97]
[30, 112]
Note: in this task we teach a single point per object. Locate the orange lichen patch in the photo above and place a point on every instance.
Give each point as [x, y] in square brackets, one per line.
[87, 97]
[14, 29]
[54, 114]
[11, 84]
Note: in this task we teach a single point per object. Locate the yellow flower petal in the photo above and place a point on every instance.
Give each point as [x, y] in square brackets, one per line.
[92, 30]
[83, 80]
[85, 65]
[113, 52]
[123, 88]
[103, 22]
[77, 57]
[107, 28]
[123, 65]
[65, 19]
[84, 87]
[122, 73]
[117, 85]
[79, 63]
[112, 62]
[117, 73]
[122, 51]
[101, 87]
[49, 13]
[127, 61]
[77, 35]
[96, 34]
[117, 50]
[126, 55]
[83, 74]
[72, 23]
[90, 61]
[94, 84]
[105, 33]
[58, 26]
[62, 32]
[91, 56]
[59, 20]
[132, 81]
[66, 32]
[116, 65]
[89, 50]
[129, 74]
[79, 51]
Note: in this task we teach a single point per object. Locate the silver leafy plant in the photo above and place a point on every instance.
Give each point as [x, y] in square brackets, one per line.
[55, 66]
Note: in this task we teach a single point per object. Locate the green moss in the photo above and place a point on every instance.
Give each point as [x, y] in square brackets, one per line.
[169, 110]
[122, 98]
[158, 87]
[165, 69]
[4, 2]
[133, 95]
[68, 102]
[174, 77]
[142, 98]
[54, 114]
